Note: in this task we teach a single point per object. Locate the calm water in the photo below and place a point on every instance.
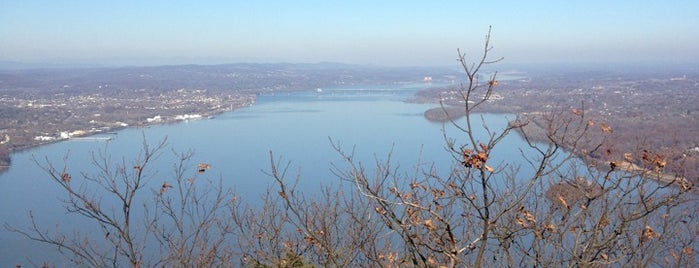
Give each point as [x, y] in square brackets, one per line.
[296, 127]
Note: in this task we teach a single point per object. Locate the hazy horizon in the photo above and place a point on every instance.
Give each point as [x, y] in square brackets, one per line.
[359, 32]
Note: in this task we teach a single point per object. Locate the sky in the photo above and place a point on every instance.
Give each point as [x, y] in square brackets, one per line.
[388, 33]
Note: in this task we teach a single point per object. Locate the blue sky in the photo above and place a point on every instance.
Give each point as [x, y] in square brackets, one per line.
[395, 33]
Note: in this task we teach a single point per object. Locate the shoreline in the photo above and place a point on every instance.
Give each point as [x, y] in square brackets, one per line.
[438, 114]
[6, 160]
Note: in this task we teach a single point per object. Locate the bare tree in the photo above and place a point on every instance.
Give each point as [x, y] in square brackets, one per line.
[85, 197]
[562, 207]
[187, 223]
[192, 218]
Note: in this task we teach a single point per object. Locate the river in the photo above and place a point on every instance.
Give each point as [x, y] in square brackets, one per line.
[297, 127]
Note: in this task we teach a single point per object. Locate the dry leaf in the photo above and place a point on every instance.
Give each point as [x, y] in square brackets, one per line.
[675, 256]
[688, 251]
[649, 233]
[428, 224]
[482, 156]
[203, 167]
[576, 112]
[380, 210]
[484, 147]
[414, 185]
[165, 187]
[660, 161]
[605, 128]
[65, 177]
[529, 217]
[604, 221]
[685, 185]
[563, 202]
[431, 261]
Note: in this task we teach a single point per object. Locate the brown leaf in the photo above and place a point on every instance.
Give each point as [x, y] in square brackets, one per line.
[438, 193]
[414, 185]
[428, 223]
[675, 255]
[646, 156]
[685, 185]
[649, 233]
[203, 167]
[576, 112]
[605, 128]
[466, 152]
[529, 217]
[431, 261]
[65, 177]
[392, 256]
[660, 161]
[563, 201]
[476, 163]
[165, 187]
[688, 251]
[482, 156]
[380, 210]
[604, 221]
[484, 147]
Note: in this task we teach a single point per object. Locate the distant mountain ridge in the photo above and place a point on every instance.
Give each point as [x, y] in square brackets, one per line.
[234, 76]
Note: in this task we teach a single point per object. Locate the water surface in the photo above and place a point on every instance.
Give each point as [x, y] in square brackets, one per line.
[297, 127]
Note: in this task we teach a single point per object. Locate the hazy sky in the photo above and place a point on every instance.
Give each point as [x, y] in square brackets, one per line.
[367, 32]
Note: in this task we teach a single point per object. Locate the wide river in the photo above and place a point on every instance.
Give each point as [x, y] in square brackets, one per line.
[296, 127]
